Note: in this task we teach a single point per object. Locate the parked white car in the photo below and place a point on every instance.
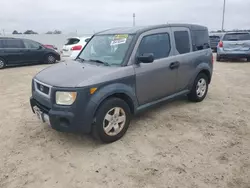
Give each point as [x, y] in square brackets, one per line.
[73, 46]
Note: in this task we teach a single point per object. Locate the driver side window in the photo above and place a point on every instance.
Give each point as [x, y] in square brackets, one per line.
[158, 44]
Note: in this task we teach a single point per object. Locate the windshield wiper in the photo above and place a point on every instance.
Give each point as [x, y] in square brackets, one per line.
[99, 61]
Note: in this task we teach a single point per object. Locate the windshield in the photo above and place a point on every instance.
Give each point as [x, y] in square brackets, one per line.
[110, 49]
[236, 36]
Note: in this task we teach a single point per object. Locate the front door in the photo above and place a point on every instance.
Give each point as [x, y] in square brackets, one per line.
[34, 51]
[158, 79]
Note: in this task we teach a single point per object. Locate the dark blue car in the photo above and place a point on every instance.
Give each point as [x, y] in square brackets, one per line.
[15, 51]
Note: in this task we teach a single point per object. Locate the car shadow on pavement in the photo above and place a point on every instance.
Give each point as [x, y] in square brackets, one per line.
[24, 65]
[182, 100]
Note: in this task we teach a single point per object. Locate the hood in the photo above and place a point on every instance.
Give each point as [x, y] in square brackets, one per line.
[74, 74]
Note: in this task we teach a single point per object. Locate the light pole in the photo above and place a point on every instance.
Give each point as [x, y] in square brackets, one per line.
[223, 16]
[133, 19]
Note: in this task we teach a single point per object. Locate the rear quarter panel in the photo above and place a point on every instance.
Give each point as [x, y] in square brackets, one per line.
[203, 61]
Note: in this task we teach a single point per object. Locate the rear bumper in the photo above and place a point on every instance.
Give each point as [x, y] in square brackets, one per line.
[232, 54]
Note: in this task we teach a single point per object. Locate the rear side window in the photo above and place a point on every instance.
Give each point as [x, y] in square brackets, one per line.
[200, 39]
[236, 36]
[14, 43]
[72, 41]
[182, 41]
[158, 44]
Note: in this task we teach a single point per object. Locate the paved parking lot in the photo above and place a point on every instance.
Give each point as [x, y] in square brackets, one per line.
[180, 144]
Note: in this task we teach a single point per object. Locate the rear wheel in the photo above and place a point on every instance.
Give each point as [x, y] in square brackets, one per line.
[50, 59]
[200, 88]
[112, 120]
[218, 58]
[2, 63]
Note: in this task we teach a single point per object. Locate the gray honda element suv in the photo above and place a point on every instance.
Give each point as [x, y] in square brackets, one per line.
[119, 73]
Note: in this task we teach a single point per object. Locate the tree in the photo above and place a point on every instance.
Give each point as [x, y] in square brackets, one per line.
[15, 32]
[49, 32]
[57, 32]
[30, 32]
[54, 32]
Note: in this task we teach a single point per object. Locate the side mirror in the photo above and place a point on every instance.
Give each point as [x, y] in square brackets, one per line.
[87, 40]
[145, 58]
[40, 47]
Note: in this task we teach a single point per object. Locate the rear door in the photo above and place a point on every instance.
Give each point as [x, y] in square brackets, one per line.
[182, 51]
[14, 51]
[34, 52]
[236, 42]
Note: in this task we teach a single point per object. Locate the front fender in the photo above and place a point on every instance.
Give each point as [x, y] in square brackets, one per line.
[112, 89]
[101, 94]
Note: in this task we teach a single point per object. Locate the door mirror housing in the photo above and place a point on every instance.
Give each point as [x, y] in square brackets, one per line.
[145, 58]
[40, 47]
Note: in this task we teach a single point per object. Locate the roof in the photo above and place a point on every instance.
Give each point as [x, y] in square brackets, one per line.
[141, 29]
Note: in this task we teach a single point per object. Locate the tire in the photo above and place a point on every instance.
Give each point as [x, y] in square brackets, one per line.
[218, 58]
[50, 59]
[2, 63]
[199, 95]
[107, 111]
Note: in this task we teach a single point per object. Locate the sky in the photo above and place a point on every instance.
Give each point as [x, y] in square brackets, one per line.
[88, 16]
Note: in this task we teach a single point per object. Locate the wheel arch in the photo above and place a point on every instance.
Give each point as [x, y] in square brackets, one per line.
[120, 91]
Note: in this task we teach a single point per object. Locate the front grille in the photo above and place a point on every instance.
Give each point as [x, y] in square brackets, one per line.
[42, 88]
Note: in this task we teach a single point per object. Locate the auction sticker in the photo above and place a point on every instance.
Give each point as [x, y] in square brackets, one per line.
[119, 39]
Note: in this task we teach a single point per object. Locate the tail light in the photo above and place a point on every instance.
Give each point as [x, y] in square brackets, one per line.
[220, 44]
[78, 47]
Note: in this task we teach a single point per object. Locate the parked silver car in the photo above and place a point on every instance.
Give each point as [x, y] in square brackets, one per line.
[234, 45]
[121, 72]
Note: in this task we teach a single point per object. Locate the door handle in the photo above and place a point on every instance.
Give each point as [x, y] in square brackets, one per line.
[174, 65]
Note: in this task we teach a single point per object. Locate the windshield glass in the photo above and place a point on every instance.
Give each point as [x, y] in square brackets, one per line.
[110, 49]
[236, 36]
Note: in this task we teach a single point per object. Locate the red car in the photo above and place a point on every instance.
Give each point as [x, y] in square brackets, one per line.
[51, 46]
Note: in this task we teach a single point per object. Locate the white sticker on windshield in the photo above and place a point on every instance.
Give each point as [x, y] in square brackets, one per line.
[118, 41]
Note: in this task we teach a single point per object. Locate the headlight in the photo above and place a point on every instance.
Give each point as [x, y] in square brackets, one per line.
[65, 98]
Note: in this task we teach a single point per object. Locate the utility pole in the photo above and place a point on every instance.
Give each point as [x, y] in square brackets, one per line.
[133, 19]
[223, 16]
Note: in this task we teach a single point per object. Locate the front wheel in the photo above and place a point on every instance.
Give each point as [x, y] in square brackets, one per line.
[200, 88]
[50, 59]
[112, 120]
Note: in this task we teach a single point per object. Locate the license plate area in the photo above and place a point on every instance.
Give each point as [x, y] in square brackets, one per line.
[41, 116]
[38, 112]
